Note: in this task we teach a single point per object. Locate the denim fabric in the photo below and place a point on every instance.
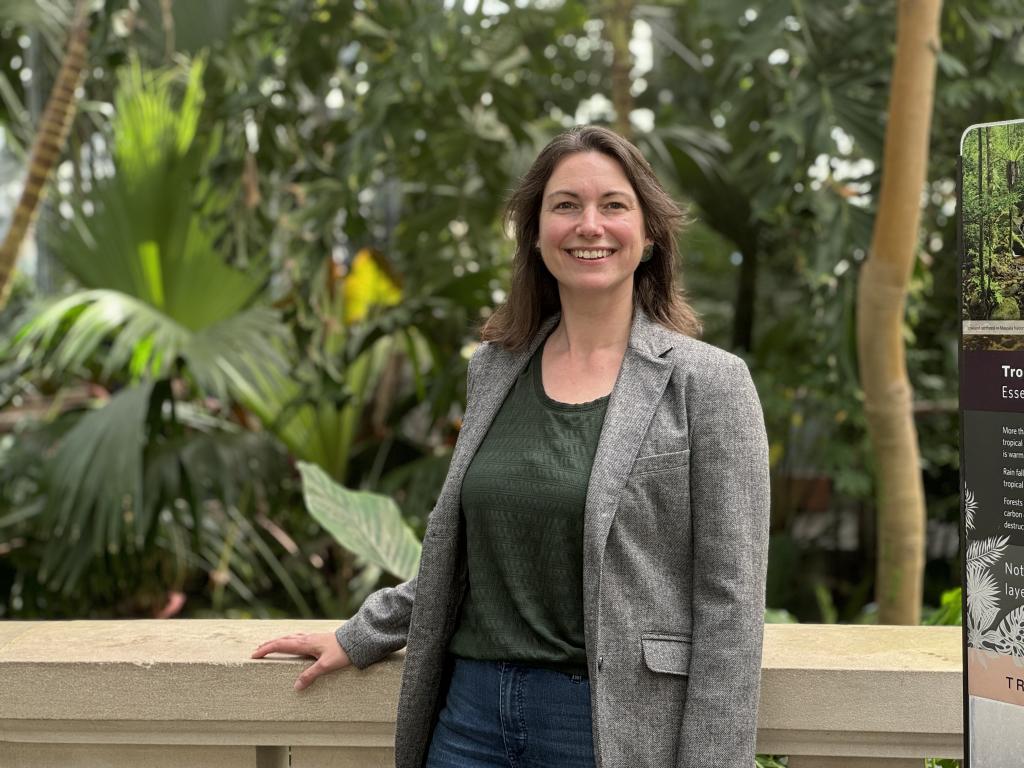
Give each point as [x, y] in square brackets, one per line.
[504, 715]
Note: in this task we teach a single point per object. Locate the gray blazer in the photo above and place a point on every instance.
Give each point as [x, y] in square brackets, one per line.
[674, 556]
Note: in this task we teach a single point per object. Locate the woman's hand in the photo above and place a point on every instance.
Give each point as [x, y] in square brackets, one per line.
[322, 646]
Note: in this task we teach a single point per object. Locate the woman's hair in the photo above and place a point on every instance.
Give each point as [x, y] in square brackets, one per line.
[533, 295]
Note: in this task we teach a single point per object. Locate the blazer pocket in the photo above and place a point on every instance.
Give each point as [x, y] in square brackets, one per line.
[659, 462]
[669, 654]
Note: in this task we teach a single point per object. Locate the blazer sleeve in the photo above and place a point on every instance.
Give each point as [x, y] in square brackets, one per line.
[729, 498]
[381, 625]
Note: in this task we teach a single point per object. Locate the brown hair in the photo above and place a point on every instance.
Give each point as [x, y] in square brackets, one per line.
[533, 295]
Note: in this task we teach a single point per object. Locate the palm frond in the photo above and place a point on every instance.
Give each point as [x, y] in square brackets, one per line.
[982, 597]
[133, 336]
[246, 346]
[50, 17]
[1011, 633]
[970, 507]
[986, 551]
[96, 481]
[148, 234]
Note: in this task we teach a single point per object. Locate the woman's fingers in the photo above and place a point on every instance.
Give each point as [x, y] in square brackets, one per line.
[324, 647]
[312, 672]
[297, 644]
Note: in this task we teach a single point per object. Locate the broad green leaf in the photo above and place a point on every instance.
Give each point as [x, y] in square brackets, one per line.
[367, 524]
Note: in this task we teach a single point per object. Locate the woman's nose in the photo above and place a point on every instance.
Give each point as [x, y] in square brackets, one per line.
[589, 223]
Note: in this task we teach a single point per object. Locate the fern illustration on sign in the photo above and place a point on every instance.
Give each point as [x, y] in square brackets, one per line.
[983, 595]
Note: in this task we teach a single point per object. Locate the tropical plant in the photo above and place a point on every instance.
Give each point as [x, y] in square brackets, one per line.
[366, 524]
[395, 129]
[319, 411]
[159, 321]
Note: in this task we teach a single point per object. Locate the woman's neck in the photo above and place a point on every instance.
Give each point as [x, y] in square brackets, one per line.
[592, 327]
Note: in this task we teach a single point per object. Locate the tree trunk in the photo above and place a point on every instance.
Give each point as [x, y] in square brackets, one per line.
[989, 301]
[618, 25]
[49, 142]
[1010, 250]
[881, 300]
[981, 230]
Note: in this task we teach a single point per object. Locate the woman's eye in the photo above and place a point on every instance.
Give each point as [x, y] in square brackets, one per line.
[618, 205]
[563, 205]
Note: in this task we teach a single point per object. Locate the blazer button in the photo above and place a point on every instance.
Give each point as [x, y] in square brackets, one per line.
[600, 662]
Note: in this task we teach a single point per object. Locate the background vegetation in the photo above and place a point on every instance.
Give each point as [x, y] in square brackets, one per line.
[993, 226]
[276, 225]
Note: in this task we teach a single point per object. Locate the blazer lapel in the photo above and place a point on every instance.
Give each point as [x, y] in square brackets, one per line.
[635, 396]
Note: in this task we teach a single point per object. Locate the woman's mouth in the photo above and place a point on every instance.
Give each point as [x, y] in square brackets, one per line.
[590, 254]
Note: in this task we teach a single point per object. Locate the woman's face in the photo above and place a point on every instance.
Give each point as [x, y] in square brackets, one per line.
[591, 227]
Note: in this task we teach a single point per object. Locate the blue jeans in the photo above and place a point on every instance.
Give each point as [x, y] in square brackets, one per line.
[503, 715]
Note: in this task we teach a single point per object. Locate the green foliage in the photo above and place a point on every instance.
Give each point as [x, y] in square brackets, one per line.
[331, 128]
[949, 612]
[779, 616]
[366, 524]
[147, 251]
[993, 216]
[1006, 309]
[161, 319]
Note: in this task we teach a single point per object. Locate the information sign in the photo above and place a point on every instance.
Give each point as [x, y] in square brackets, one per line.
[991, 240]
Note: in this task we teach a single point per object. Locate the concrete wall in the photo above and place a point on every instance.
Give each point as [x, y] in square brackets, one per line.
[166, 694]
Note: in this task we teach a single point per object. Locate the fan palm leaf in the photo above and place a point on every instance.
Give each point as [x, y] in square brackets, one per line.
[132, 335]
[96, 480]
[982, 597]
[158, 302]
[157, 294]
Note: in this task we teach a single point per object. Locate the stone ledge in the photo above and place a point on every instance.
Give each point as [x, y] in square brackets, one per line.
[826, 689]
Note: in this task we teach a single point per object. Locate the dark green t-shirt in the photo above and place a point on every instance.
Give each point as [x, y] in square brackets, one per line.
[523, 497]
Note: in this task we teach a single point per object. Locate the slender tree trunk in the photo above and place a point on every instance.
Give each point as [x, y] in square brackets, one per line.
[49, 142]
[1009, 211]
[989, 302]
[881, 300]
[981, 230]
[618, 25]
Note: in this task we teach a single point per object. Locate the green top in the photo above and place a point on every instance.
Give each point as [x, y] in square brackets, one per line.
[522, 505]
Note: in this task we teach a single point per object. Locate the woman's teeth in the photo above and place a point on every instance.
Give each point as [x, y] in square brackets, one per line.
[591, 255]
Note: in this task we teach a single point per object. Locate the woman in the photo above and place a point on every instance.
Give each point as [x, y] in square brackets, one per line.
[591, 588]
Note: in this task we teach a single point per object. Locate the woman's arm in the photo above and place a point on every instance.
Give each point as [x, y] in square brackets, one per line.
[729, 499]
[379, 628]
[381, 625]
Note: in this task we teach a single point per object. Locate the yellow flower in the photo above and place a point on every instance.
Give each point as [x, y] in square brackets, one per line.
[367, 285]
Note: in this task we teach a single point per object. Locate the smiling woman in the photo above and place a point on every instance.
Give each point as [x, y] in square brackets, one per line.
[591, 588]
[591, 230]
